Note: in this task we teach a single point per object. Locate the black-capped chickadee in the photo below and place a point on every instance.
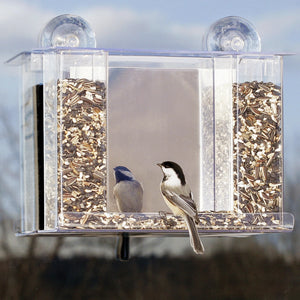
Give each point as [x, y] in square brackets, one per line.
[128, 193]
[178, 196]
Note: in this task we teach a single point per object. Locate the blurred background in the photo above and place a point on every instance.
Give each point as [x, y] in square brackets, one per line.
[258, 267]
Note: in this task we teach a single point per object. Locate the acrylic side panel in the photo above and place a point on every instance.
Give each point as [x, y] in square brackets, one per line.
[223, 162]
[216, 176]
[31, 77]
[258, 135]
[50, 67]
[28, 158]
[206, 135]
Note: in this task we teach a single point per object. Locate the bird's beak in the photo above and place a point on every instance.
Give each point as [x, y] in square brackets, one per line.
[159, 165]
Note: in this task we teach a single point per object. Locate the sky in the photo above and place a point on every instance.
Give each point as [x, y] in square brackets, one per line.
[142, 23]
[164, 25]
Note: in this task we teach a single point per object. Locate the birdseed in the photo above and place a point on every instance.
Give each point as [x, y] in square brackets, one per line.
[81, 113]
[209, 221]
[257, 147]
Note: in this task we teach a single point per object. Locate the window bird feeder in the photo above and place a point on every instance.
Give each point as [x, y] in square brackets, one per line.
[84, 111]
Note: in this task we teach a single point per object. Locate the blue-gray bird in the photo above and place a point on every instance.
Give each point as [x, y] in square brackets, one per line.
[178, 196]
[128, 193]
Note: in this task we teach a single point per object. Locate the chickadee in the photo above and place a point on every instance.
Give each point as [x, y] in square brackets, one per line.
[178, 196]
[128, 193]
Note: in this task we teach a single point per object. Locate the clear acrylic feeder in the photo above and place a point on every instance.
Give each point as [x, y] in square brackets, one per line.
[85, 111]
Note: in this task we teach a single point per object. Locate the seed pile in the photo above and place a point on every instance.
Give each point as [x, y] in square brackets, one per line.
[81, 113]
[257, 147]
[210, 221]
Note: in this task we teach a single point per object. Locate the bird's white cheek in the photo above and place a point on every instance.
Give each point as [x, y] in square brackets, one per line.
[169, 172]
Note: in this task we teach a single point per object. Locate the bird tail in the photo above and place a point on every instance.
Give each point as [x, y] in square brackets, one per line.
[194, 236]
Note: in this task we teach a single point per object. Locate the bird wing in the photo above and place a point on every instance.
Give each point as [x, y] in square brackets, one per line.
[183, 202]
